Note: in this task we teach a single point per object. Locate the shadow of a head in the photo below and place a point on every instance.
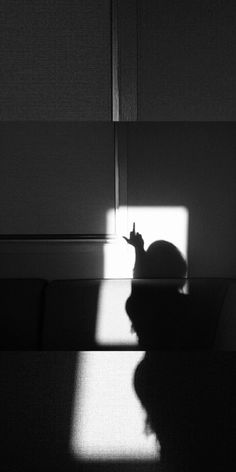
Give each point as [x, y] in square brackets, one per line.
[163, 260]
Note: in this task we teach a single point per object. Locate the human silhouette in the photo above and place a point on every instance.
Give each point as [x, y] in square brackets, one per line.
[189, 399]
[161, 260]
[161, 315]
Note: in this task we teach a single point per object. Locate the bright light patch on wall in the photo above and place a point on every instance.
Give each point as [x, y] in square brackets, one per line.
[108, 420]
[169, 223]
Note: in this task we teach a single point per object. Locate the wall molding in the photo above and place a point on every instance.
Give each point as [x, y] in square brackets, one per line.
[120, 199]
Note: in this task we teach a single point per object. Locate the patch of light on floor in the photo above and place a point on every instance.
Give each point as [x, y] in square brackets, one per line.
[108, 420]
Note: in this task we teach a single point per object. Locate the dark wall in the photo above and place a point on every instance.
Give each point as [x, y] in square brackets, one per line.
[186, 60]
[55, 177]
[55, 60]
[176, 61]
[190, 164]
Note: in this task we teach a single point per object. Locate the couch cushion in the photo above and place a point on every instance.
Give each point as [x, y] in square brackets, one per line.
[70, 314]
[21, 305]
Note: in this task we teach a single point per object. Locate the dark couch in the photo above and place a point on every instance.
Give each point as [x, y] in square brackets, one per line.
[63, 314]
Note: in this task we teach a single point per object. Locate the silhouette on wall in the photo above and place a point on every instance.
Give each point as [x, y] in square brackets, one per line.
[162, 316]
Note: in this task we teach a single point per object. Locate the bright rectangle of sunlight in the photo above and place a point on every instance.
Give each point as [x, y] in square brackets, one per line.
[108, 420]
[168, 223]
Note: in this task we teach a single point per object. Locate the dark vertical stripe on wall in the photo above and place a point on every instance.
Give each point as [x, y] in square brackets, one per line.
[127, 55]
[116, 173]
[115, 61]
[124, 60]
[123, 163]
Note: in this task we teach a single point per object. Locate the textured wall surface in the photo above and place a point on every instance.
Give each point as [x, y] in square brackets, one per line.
[56, 177]
[186, 60]
[55, 60]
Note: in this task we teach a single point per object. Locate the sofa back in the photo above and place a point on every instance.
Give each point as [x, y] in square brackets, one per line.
[91, 314]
